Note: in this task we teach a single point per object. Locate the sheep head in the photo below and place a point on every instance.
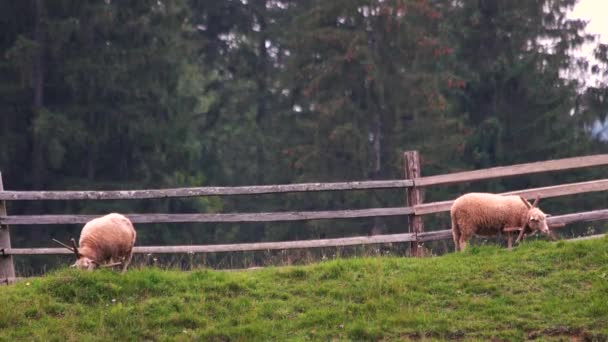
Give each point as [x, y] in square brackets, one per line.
[82, 262]
[536, 220]
[85, 263]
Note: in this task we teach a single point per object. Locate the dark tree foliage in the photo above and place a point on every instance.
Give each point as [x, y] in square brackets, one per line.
[101, 95]
[512, 55]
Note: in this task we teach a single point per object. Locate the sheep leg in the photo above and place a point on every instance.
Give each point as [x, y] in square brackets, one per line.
[127, 261]
[463, 244]
[456, 237]
[463, 237]
[521, 235]
[509, 240]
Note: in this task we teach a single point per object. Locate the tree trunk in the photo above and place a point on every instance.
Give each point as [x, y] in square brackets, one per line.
[377, 170]
[261, 74]
[259, 8]
[38, 168]
[38, 70]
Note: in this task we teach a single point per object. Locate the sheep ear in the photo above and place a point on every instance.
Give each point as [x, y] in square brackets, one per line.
[535, 204]
[75, 248]
[528, 205]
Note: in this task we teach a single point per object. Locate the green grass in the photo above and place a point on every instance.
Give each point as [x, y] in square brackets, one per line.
[541, 290]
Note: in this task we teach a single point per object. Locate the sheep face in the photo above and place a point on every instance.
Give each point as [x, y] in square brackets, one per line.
[85, 263]
[537, 221]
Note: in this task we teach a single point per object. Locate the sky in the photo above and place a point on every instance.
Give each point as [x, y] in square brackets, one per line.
[595, 12]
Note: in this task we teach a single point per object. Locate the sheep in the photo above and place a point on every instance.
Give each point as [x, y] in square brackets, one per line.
[489, 214]
[105, 240]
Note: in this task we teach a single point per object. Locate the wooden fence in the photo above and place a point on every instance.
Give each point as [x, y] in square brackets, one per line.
[414, 208]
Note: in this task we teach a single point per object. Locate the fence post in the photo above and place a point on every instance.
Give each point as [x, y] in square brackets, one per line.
[414, 197]
[7, 268]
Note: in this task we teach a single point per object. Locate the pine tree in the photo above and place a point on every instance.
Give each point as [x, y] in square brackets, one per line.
[112, 95]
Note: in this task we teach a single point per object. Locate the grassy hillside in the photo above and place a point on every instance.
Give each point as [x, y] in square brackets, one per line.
[537, 291]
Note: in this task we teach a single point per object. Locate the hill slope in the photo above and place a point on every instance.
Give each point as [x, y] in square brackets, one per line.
[539, 290]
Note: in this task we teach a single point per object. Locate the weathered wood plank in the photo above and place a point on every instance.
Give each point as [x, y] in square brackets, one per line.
[563, 189]
[554, 221]
[503, 171]
[359, 240]
[7, 268]
[435, 235]
[514, 170]
[411, 160]
[37, 251]
[544, 192]
[236, 217]
[590, 237]
[422, 209]
[11, 280]
[595, 215]
[200, 191]
[517, 229]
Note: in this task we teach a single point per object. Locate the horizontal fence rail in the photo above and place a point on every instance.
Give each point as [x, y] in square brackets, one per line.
[496, 172]
[590, 237]
[421, 209]
[588, 216]
[544, 192]
[259, 246]
[200, 191]
[237, 217]
[358, 240]
[514, 170]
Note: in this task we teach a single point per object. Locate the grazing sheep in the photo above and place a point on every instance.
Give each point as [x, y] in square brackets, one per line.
[489, 214]
[106, 239]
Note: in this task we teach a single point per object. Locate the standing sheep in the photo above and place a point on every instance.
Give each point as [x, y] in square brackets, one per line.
[489, 214]
[106, 239]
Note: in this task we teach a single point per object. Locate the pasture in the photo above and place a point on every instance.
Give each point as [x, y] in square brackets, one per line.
[539, 290]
